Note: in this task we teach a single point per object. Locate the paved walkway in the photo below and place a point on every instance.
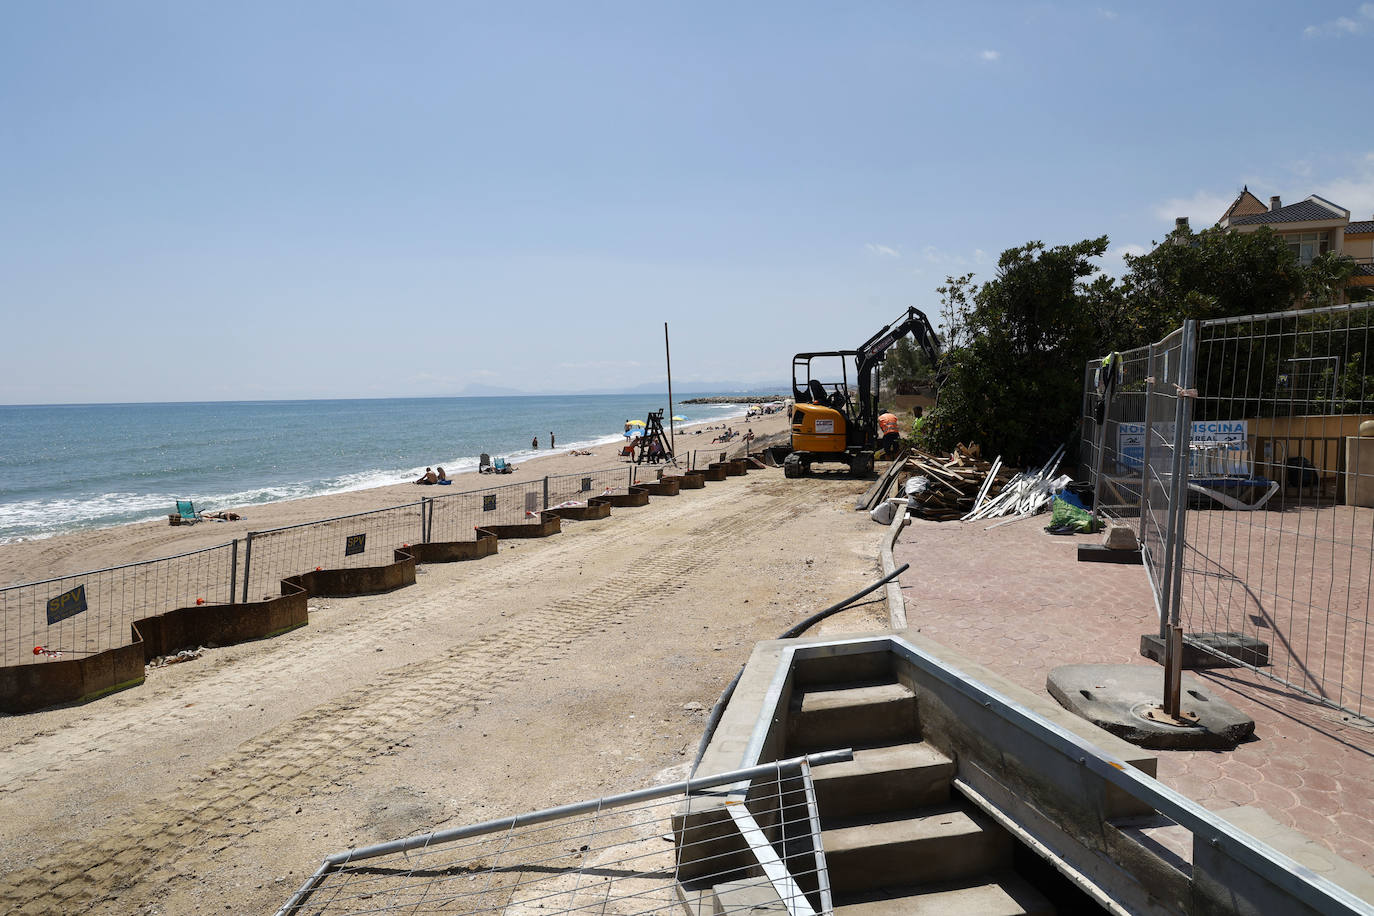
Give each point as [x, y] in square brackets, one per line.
[1017, 600]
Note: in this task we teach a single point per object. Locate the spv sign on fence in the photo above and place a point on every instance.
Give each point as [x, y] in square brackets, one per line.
[68, 604]
[355, 544]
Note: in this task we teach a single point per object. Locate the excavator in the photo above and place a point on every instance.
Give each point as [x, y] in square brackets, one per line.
[828, 425]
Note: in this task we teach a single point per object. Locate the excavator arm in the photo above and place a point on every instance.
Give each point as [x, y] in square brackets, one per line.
[871, 352]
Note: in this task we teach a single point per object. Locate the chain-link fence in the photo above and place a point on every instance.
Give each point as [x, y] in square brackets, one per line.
[91, 612]
[345, 542]
[1255, 493]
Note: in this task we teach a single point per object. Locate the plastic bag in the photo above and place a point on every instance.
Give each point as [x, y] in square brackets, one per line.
[1069, 519]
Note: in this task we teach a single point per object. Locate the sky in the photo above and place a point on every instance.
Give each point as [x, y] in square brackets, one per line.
[211, 201]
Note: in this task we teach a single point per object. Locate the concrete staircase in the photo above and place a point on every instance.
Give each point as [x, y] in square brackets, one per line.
[897, 841]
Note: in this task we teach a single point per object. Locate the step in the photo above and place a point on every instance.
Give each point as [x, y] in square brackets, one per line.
[866, 715]
[1003, 894]
[890, 777]
[943, 843]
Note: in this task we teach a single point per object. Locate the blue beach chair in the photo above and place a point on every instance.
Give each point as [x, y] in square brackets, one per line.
[499, 466]
[186, 512]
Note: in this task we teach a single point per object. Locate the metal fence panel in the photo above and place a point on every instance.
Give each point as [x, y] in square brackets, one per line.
[345, 542]
[1281, 536]
[91, 612]
[1112, 433]
[651, 851]
[578, 487]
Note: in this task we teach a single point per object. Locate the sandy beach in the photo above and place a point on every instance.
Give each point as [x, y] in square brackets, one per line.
[557, 670]
[45, 558]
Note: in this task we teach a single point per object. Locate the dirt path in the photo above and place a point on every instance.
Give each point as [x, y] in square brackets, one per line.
[557, 670]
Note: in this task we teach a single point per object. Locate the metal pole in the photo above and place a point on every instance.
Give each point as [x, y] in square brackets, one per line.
[1178, 487]
[233, 571]
[546, 492]
[672, 435]
[247, 565]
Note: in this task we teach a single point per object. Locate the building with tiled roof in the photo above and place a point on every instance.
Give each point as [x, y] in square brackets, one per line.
[1311, 227]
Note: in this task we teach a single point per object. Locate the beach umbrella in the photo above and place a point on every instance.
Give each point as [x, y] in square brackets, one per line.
[632, 433]
[636, 422]
[676, 417]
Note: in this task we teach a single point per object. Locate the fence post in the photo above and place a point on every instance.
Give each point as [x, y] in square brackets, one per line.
[233, 570]
[630, 481]
[424, 519]
[247, 565]
[1178, 508]
[546, 492]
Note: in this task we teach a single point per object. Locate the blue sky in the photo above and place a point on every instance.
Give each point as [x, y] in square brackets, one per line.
[207, 201]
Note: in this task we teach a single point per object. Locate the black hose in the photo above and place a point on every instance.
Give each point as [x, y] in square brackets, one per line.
[792, 632]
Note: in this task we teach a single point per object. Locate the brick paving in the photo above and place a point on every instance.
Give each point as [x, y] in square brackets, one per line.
[1017, 600]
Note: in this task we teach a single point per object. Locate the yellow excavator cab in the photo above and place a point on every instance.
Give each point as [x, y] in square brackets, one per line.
[818, 429]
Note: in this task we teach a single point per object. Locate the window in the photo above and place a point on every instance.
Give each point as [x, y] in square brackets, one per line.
[1307, 245]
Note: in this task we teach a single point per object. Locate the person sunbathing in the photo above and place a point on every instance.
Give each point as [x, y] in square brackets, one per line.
[222, 516]
[428, 477]
[441, 477]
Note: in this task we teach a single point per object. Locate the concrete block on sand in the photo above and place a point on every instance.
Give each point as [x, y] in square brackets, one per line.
[1115, 698]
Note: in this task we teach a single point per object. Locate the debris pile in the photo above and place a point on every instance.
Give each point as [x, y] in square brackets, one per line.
[954, 484]
[185, 655]
[964, 487]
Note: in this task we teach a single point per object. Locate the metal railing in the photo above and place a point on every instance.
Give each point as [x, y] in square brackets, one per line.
[1255, 505]
[757, 836]
[90, 612]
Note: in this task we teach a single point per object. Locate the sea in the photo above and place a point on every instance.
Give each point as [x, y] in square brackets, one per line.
[69, 467]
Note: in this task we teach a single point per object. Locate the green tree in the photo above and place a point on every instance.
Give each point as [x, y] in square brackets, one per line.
[1017, 347]
[1327, 278]
[907, 368]
[1215, 273]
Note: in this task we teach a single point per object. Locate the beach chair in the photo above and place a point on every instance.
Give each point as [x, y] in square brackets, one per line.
[484, 464]
[186, 513]
[500, 467]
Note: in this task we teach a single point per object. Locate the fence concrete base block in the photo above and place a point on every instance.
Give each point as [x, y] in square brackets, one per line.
[692, 480]
[712, 472]
[549, 523]
[365, 580]
[638, 496]
[455, 551]
[1115, 698]
[668, 486]
[1237, 646]
[27, 688]
[1100, 553]
[221, 624]
[737, 467]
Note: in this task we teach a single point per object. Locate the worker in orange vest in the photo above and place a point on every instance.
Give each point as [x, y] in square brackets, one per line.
[887, 427]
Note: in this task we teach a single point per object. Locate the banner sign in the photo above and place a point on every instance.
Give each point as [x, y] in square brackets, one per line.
[489, 502]
[67, 604]
[355, 543]
[1130, 437]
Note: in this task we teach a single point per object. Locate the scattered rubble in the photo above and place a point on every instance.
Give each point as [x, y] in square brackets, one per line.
[185, 655]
